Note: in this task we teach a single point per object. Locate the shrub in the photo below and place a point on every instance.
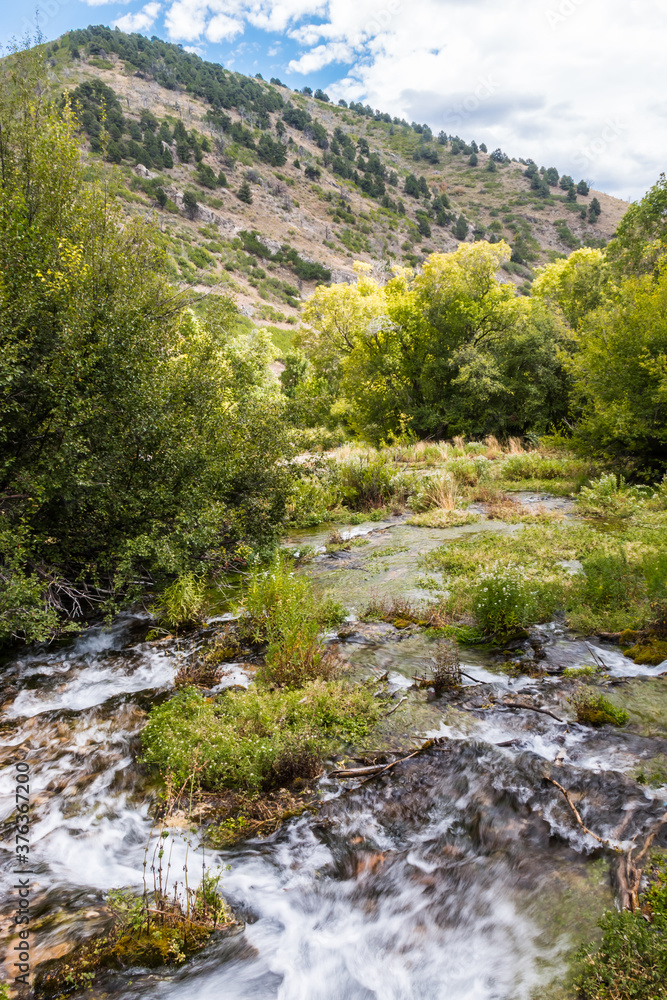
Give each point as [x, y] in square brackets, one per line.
[612, 497]
[368, 482]
[281, 609]
[596, 710]
[443, 667]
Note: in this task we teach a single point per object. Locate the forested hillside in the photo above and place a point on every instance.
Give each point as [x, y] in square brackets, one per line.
[220, 157]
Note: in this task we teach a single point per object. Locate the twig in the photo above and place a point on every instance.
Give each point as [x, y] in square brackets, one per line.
[575, 811]
[396, 707]
[531, 708]
[599, 662]
[374, 770]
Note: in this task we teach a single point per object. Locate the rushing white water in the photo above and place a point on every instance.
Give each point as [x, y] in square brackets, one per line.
[434, 884]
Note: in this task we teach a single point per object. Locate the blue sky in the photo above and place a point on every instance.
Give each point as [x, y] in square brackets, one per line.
[575, 84]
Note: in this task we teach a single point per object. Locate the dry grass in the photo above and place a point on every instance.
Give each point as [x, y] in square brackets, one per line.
[441, 493]
[199, 673]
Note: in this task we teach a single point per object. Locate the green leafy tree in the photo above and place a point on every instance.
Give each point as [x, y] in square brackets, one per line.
[448, 351]
[583, 188]
[473, 161]
[136, 439]
[640, 245]
[620, 378]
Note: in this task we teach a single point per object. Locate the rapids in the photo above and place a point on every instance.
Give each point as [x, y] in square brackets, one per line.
[460, 876]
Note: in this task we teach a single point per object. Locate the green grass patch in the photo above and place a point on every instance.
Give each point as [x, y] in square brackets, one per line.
[257, 740]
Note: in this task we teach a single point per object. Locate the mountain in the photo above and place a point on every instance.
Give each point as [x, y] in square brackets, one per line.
[265, 191]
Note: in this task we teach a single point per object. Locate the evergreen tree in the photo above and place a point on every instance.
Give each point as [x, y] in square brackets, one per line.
[582, 188]
[461, 228]
[594, 210]
[190, 204]
[411, 186]
[244, 193]
[473, 161]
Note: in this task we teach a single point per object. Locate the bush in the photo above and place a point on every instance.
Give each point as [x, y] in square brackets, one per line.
[368, 482]
[281, 609]
[610, 496]
[246, 740]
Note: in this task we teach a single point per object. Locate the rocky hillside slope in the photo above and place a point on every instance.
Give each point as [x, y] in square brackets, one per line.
[264, 191]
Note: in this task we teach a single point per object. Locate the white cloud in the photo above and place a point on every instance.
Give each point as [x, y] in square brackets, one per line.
[102, 3]
[223, 28]
[141, 20]
[573, 83]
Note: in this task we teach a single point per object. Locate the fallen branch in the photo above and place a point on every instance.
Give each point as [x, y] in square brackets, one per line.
[531, 708]
[597, 659]
[575, 811]
[629, 873]
[372, 771]
[396, 707]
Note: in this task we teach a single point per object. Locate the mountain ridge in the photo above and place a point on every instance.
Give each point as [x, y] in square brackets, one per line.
[323, 184]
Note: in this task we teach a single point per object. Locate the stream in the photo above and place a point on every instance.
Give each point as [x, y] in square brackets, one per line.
[461, 875]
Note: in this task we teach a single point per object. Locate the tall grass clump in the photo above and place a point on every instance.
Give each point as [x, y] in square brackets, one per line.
[533, 465]
[280, 610]
[435, 492]
[182, 603]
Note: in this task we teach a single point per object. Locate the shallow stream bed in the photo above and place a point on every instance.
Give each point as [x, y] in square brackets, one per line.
[461, 875]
